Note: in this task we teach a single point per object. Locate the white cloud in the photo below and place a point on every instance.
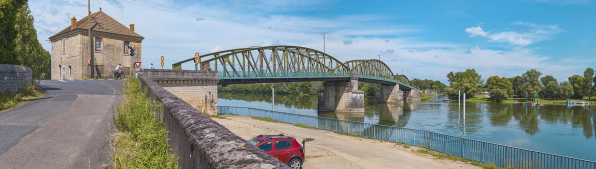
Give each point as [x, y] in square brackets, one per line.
[468, 51]
[584, 42]
[387, 51]
[348, 41]
[475, 31]
[215, 49]
[521, 37]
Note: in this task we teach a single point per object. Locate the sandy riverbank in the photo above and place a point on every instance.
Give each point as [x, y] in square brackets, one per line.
[331, 150]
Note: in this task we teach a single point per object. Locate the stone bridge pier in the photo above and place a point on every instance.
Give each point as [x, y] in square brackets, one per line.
[342, 96]
[389, 94]
[196, 87]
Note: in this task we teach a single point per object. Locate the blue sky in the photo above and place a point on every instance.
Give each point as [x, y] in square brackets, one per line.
[425, 39]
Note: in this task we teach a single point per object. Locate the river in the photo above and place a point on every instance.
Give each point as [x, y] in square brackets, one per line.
[557, 129]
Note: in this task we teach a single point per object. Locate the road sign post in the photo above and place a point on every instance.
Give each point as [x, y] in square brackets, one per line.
[161, 62]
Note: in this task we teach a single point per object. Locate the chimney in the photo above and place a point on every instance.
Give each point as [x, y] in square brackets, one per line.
[132, 27]
[73, 23]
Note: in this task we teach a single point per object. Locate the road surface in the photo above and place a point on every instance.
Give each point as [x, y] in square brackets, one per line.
[67, 128]
[331, 150]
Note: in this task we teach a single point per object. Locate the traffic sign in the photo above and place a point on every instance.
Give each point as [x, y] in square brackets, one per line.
[162, 61]
[197, 59]
[88, 61]
[137, 64]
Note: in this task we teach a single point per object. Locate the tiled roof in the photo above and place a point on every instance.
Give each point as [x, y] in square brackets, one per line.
[106, 24]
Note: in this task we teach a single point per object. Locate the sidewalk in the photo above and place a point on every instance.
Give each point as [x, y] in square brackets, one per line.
[331, 150]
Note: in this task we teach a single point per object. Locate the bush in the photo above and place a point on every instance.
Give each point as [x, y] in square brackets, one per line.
[497, 94]
[141, 139]
[10, 99]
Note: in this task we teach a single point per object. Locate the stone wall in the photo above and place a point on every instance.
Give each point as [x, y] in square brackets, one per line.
[389, 94]
[14, 77]
[196, 87]
[200, 142]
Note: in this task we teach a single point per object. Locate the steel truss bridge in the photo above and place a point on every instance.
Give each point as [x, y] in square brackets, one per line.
[271, 64]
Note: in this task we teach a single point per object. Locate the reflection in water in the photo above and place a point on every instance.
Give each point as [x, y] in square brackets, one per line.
[555, 129]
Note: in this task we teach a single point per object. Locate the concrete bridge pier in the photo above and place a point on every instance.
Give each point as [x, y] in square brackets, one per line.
[342, 96]
[389, 94]
[195, 87]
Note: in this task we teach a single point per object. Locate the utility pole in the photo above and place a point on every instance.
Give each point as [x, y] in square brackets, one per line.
[92, 60]
[323, 41]
[380, 58]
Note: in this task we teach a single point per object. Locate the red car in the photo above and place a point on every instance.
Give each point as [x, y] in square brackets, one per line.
[285, 149]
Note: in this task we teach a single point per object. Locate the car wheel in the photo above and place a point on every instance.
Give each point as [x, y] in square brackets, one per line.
[295, 163]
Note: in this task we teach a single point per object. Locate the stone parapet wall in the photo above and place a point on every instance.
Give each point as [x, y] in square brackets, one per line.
[200, 142]
[14, 77]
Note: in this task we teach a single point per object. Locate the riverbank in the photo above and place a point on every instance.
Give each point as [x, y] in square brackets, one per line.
[331, 150]
[482, 99]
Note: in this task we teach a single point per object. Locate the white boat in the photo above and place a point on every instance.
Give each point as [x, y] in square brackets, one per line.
[446, 100]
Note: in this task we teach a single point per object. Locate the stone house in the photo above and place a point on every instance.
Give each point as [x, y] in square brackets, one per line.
[70, 48]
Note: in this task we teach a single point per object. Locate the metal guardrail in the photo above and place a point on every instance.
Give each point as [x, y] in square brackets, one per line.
[268, 75]
[474, 150]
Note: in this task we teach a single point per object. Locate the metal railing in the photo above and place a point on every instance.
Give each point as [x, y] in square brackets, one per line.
[474, 150]
[267, 75]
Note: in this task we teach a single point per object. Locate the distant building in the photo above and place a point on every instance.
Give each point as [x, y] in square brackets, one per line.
[70, 48]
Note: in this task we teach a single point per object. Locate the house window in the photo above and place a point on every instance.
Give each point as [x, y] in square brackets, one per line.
[126, 47]
[63, 46]
[97, 44]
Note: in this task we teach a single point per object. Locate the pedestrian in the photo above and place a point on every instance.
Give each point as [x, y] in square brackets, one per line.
[151, 66]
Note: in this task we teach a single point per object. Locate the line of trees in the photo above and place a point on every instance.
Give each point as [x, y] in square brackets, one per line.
[428, 84]
[18, 38]
[299, 89]
[530, 83]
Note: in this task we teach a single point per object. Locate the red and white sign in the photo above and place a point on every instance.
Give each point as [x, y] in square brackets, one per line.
[137, 64]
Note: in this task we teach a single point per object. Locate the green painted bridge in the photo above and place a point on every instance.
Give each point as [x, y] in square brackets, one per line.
[272, 64]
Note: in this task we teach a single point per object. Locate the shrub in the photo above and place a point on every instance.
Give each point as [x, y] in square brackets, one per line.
[497, 94]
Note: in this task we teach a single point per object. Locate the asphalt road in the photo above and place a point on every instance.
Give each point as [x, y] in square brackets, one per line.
[67, 128]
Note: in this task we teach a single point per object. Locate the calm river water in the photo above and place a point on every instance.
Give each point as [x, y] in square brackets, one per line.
[558, 129]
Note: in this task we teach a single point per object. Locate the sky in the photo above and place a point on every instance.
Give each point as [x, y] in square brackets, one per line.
[422, 39]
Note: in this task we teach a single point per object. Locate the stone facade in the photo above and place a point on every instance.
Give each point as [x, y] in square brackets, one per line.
[71, 62]
[71, 48]
[389, 94]
[196, 87]
[14, 77]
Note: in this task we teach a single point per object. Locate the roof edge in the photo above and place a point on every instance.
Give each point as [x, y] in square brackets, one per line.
[84, 29]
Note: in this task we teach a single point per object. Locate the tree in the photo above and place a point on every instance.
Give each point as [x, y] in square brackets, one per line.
[450, 76]
[468, 82]
[498, 94]
[438, 85]
[552, 89]
[588, 88]
[494, 82]
[577, 82]
[8, 31]
[29, 50]
[517, 84]
[531, 83]
[566, 90]
[546, 79]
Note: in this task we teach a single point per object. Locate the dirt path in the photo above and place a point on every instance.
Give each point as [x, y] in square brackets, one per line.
[331, 150]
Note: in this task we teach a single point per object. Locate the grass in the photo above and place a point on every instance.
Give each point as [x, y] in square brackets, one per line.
[265, 119]
[455, 158]
[300, 125]
[9, 99]
[425, 96]
[218, 116]
[140, 140]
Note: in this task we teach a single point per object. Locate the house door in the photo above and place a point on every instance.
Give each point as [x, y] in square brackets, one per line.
[69, 73]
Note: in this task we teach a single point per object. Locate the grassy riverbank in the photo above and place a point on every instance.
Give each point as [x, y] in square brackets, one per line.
[140, 140]
[482, 99]
[9, 99]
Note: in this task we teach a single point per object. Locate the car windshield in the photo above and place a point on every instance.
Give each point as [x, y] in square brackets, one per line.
[254, 141]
